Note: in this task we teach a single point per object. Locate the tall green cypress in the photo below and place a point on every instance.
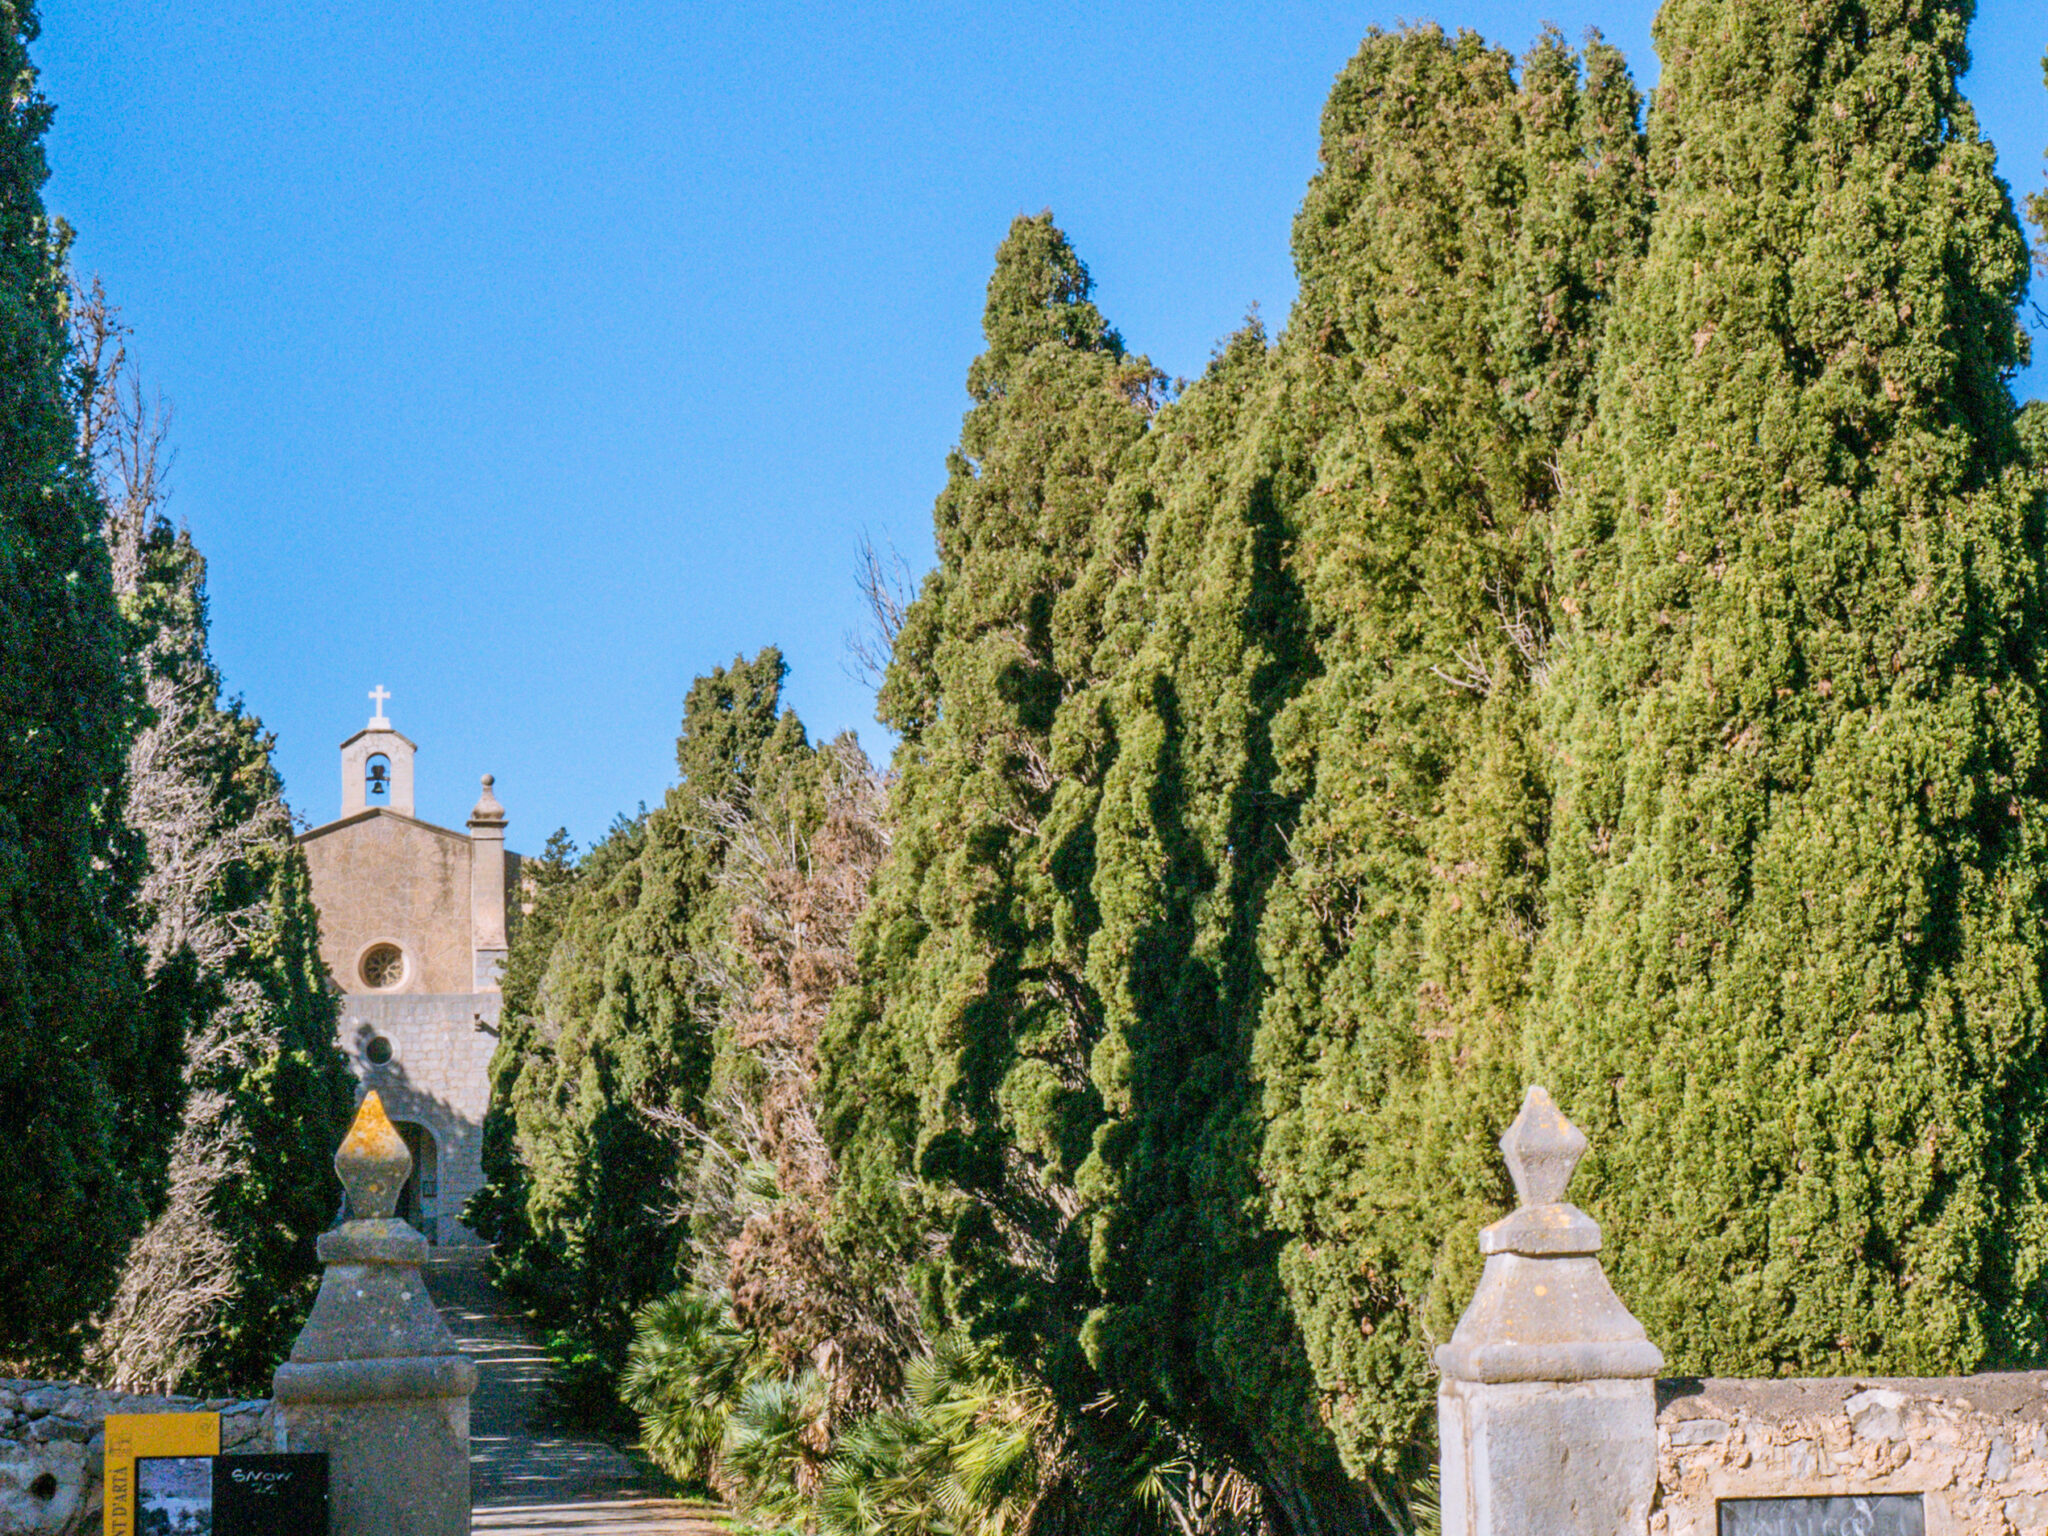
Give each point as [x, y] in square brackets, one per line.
[961, 1051]
[1456, 253]
[538, 1143]
[88, 1078]
[1205, 642]
[497, 1211]
[1792, 982]
[619, 1029]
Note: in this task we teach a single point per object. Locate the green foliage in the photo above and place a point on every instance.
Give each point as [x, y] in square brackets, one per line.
[1457, 252]
[613, 1034]
[970, 1448]
[1792, 981]
[773, 1455]
[962, 1453]
[1598, 641]
[497, 1211]
[88, 1076]
[289, 1094]
[293, 1103]
[1175, 785]
[685, 1374]
[961, 1052]
[584, 1389]
[215, 1288]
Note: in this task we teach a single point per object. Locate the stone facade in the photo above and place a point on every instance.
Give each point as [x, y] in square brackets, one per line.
[413, 930]
[53, 1445]
[381, 878]
[437, 1078]
[1976, 1448]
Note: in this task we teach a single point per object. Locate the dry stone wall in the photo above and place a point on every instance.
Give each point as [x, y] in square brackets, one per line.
[53, 1444]
[1976, 1447]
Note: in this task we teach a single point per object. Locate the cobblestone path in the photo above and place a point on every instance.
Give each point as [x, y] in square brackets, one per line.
[525, 1474]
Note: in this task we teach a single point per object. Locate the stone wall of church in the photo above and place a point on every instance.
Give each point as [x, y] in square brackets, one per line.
[436, 1075]
[381, 878]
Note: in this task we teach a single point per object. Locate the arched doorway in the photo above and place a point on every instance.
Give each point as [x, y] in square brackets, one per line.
[419, 1201]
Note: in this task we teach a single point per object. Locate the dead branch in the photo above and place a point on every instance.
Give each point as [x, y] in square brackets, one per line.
[886, 586]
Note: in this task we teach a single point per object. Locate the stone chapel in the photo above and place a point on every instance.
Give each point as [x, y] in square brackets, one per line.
[413, 930]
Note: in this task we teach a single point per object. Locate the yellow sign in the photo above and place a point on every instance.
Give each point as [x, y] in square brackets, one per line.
[130, 1435]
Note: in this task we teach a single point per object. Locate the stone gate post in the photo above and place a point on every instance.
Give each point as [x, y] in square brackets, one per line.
[375, 1379]
[1547, 1408]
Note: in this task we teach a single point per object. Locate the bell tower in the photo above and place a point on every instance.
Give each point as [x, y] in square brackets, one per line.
[376, 765]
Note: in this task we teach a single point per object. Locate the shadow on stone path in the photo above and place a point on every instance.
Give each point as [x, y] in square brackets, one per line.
[525, 1474]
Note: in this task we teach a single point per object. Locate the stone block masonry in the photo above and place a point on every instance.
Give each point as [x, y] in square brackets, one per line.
[53, 1444]
[435, 1074]
[1975, 1447]
[414, 930]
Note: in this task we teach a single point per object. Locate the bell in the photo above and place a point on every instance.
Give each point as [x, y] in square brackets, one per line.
[378, 781]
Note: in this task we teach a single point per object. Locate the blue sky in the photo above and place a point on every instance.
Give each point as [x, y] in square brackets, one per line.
[531, 360]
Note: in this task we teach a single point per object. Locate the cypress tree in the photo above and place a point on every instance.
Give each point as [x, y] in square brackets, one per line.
[1792, 982]
[212, 1291]
[960, 1054]
[497, 1211]
[619, 1033]
[532, 1186]
[1456, 252]
[88, 1078]
[1204, 642]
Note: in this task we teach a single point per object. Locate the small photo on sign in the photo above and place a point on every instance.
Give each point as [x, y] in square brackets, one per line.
[174, 1496]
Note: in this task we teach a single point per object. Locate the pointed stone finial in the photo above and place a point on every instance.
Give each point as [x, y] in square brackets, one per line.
[373, 1162]
[487, 808]
[1542, 1149]
[375, 1382]
[1547, 1407]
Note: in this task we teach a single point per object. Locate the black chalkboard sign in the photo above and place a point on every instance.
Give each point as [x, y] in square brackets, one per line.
[231, 1495]
[1870, 1514]
[270, 1496]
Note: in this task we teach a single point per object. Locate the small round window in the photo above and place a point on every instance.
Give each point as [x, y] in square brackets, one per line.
[384, 966]
[378, 1051]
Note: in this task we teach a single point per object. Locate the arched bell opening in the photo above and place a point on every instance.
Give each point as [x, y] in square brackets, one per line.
[377, 780]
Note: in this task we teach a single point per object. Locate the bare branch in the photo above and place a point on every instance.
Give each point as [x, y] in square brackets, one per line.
[1472, 672]
[887, 586]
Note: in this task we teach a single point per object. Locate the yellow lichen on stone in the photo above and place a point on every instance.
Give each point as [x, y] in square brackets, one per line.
[373, 1162]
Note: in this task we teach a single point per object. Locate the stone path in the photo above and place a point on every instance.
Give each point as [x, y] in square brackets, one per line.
[525, 1474]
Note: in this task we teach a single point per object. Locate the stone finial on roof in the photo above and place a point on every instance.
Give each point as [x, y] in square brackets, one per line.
[373, 1162]
[488, 811]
